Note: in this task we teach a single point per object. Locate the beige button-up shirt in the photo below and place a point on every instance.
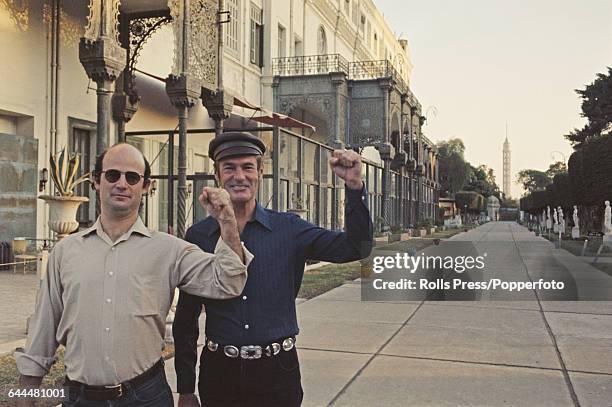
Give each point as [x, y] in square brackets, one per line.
[107, 302]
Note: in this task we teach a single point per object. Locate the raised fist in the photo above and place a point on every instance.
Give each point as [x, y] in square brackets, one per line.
[217, 203]
[347, 165]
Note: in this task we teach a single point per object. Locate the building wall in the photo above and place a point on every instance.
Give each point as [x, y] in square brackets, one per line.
[26, 93]
[25, 36]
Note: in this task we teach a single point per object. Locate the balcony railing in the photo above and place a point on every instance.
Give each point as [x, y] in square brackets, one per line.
[324, 64]
[309, 65]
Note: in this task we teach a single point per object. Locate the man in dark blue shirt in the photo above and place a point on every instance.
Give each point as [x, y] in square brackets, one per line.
[250, 358]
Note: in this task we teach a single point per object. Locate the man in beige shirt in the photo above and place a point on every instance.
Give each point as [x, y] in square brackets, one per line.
[108, 290]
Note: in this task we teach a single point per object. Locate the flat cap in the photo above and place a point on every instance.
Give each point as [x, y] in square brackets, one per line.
[235, 143]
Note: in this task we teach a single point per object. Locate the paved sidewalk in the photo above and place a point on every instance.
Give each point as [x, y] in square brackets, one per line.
[423, 353]
[17, 299]
[486, 353]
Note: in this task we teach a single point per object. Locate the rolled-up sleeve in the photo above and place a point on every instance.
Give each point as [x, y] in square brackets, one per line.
[219, 275]
[39, 353]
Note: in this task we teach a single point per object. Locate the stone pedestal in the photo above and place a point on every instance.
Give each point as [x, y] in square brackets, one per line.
[575, 232]
[556, 228]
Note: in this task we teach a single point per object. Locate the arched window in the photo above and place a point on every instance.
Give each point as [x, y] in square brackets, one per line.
[321, 41]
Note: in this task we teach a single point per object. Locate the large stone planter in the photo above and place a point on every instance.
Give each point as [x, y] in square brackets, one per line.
[381, 240]
[62, 213]
[395, 237]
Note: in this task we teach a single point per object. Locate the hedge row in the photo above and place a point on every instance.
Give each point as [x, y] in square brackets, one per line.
[587, 183]
[474, 201]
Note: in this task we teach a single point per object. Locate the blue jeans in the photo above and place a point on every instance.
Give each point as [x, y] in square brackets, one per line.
[155, 392]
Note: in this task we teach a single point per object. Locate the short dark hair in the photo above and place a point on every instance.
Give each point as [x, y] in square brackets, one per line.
[97, 172]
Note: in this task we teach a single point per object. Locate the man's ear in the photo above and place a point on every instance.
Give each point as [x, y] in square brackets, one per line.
[95, 183]
[146, 186]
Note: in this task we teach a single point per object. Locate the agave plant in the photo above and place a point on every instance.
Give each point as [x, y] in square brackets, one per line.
[64, 169]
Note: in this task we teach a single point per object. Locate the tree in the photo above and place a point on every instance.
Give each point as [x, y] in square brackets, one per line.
[482, 181]
[556, 168]
[533, 180]
[596, 108]
[510, 203]
[454, 171]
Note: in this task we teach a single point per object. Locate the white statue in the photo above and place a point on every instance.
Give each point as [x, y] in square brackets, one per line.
[576, 228]
[607, 218]
[561, 220]
[543, 220]
[548, 218]
[555, 221]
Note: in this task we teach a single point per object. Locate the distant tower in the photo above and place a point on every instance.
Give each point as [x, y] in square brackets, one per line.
[507, 170]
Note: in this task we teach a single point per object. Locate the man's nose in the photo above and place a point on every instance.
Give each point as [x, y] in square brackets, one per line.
[121, 182]
[239, 174]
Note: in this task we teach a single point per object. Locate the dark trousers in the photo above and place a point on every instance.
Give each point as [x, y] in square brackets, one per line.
[155, 392]
[266, 382]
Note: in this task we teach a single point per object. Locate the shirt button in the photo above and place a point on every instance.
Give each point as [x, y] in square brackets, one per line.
[246, 326]
[110, 273]
[244, 297]
[107, 358]
[108, 300]
[113, 248]
[107, 329]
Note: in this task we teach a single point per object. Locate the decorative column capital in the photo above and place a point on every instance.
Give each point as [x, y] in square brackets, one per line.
[385, 150]
[183, 90]
[103, 59]
[124, 106]
[386, 83]
[337, 78]
[218, 103]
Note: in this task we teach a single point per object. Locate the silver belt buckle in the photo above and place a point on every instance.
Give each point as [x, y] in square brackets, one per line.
[250, 352]
[231, 351]
[288, 344]
[212, 346]
[273, 349]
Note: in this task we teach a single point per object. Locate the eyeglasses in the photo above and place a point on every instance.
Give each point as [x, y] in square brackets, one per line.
[131, 177]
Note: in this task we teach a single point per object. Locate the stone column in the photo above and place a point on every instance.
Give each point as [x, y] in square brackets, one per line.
[103, 60]
[420, 169]
[183, 91]
[124, 106]
[385, 149]
[337, 80]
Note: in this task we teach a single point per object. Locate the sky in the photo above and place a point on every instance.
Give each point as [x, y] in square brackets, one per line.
[484, 63]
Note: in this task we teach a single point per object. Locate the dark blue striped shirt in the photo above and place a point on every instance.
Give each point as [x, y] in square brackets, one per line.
[265, 311]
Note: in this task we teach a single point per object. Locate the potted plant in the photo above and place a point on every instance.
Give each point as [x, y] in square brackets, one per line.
[297, 206]
[63, 205]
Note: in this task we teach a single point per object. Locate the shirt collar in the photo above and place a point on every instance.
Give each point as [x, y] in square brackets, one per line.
[261, 216]
[138, 227]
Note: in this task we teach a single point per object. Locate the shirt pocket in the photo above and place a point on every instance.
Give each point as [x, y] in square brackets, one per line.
[145, 293]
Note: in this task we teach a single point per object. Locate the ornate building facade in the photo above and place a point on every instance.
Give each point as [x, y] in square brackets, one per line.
[86, 74]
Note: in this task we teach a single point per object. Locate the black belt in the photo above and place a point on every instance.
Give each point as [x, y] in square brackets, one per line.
[251, 352]
[102, 393]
